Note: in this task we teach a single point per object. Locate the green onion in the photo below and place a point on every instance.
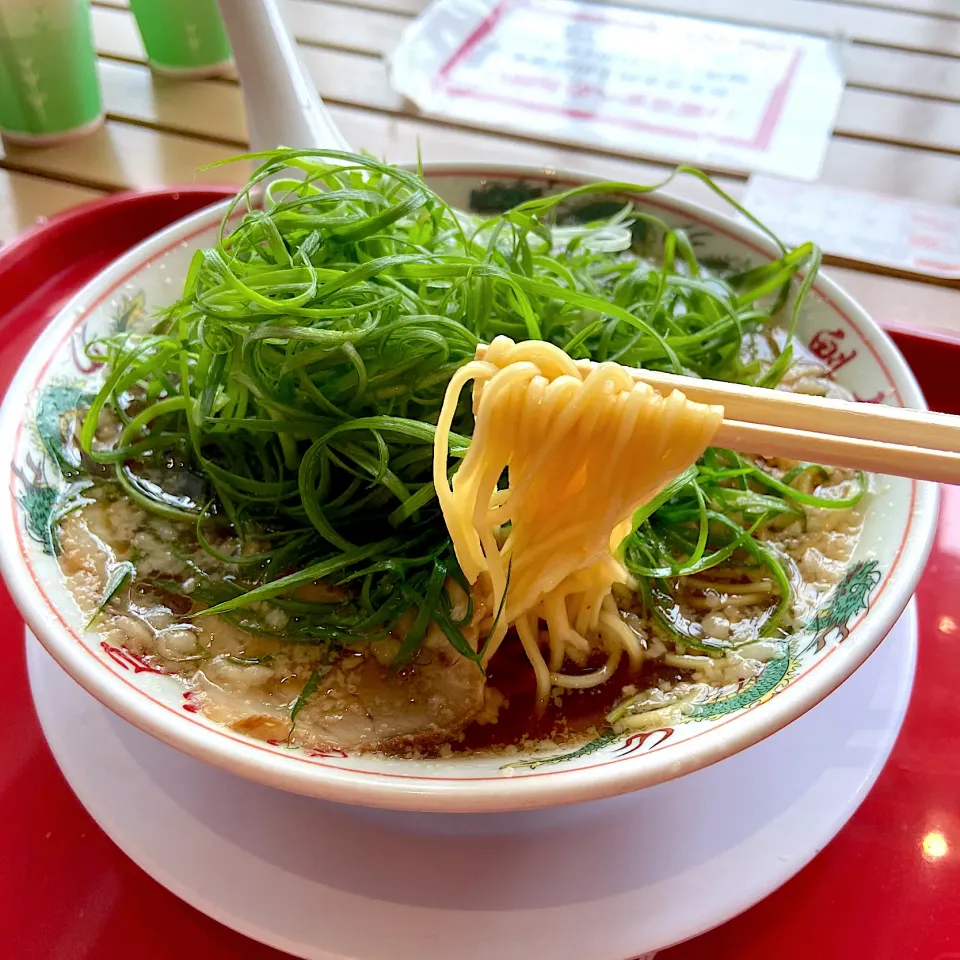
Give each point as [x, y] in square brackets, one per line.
[121, 573]
[287, 401]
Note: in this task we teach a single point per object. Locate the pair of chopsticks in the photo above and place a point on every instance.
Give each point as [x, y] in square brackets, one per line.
[837, 433]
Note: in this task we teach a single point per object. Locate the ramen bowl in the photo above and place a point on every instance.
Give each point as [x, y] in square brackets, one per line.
[897, 534]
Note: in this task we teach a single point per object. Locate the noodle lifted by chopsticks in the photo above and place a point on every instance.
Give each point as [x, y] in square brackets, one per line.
[585, 448]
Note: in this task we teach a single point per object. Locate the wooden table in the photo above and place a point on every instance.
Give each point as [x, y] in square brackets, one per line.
[898, 130]
[898, 133]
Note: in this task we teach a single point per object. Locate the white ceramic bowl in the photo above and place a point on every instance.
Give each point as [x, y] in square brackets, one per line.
[897, 535]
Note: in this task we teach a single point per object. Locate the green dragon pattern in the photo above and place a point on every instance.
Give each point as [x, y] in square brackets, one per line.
[38, 500]
[776, 673]
[851, 597]
[44, 491]
[41, 498]
[56, 400]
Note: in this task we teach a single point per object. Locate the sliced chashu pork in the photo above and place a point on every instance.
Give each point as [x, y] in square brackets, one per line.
[363, 703]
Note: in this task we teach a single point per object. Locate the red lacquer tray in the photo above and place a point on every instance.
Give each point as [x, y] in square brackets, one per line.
[887, 888]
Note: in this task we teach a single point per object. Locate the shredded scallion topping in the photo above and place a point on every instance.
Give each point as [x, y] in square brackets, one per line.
[284, 406]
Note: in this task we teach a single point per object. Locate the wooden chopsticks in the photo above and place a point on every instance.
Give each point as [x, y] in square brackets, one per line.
[900, 460]
[839, 433]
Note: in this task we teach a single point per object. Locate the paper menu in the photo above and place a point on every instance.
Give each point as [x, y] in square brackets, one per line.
[655, 84]
[890, 231]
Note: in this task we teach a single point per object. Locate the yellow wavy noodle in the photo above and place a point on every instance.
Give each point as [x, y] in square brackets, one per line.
[585, 446]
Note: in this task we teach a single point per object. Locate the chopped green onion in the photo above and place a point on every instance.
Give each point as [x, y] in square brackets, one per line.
[285, 405]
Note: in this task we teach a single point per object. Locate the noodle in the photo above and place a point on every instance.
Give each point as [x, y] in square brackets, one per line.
[585, 447]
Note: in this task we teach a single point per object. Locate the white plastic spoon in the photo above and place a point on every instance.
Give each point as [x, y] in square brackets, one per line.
[282, 103]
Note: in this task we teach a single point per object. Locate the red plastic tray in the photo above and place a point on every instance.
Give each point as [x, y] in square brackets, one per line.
[67, 892]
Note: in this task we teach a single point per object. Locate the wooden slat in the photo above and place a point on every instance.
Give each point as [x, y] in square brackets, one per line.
[895, 118]
[408, 7]
[344, 27]
[26, 200]
[122, 156]
[936, 8]
[212, 111]
[923, 305]
[116, 35]
[897, 171]
[900, 71]
[349, 78]
[866, 64]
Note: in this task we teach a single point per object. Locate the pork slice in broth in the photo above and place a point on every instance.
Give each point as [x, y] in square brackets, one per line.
[362, 703]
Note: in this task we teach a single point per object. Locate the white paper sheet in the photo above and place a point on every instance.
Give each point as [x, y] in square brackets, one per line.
[907, 234]
[674, 87]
